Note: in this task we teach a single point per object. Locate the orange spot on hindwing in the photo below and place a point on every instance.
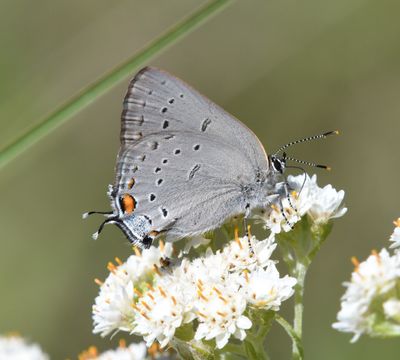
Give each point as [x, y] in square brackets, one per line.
[128, 203]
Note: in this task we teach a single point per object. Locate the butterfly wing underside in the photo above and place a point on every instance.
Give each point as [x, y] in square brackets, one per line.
[183, 159]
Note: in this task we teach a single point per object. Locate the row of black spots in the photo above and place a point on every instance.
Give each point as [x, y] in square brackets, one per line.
[193, 171]
[205, 124]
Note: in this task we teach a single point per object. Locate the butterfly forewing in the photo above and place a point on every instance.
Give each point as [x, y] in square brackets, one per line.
[183, 159]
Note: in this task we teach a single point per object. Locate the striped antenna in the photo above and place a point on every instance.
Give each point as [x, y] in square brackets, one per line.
[308, 163]
[310, 138]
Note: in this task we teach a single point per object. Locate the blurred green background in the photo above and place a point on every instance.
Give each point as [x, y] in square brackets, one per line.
[286, 68]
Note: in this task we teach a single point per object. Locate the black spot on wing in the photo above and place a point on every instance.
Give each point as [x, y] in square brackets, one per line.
[193, 171]
[205, 124]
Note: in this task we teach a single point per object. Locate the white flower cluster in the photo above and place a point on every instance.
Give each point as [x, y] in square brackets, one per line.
[17, 348]
[371, 303]
[320, 204]
[216, 290]
[113, 309]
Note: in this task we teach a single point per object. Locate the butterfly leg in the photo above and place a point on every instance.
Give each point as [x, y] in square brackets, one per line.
[246, 226]
[284, 215]
[287, 193]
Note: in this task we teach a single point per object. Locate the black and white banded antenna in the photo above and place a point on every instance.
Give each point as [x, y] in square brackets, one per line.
[308, 163]
[310, 138]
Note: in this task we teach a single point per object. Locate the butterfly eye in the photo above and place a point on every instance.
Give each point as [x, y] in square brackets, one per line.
[278, 165]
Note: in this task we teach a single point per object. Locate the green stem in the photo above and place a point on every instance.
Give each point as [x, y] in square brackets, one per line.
[101, 86]
[232, 348]
[254, 348]
[300, 272]
[290, 331]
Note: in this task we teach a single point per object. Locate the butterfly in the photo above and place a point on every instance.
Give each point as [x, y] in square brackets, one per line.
[186, 166]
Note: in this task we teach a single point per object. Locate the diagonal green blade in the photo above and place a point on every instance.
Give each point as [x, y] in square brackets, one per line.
[106, 82]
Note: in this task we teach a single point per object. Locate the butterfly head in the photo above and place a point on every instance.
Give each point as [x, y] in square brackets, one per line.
[278, 164]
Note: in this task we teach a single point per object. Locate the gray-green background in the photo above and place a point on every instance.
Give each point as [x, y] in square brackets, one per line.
[286, 68]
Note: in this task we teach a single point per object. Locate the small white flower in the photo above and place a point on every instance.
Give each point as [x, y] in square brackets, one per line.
[160, 312]
[220, 313]
[392, 309]
[209, 268]
[113, 306]
[17, 348]
[326, 205]
[240, 254]
[321, 204]
[373, 282]
[131, 352]
[395, 237]
[265, 289]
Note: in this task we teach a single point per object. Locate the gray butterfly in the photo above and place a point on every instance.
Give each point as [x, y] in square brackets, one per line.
[185, 165]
